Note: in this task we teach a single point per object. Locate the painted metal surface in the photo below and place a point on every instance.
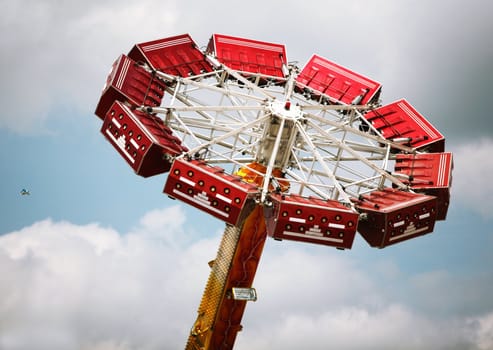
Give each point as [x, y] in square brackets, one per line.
[146, 144]
[131, 83]
[247, 55]
[178, 55]
[393, 216]
[401, 122]
[210, 189]
[311, 220]
[428, 173]
[340, 84]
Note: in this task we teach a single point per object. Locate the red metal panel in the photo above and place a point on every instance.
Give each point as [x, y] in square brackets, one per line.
[131, 83]
[429, 173]
[394, 216]
[177, 55]
[399, 121]
[248, 55]
[141, 139]
[341, 85]
[210, 189]
[311, 220]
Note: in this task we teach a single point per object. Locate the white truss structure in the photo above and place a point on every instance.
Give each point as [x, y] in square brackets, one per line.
[234, 118]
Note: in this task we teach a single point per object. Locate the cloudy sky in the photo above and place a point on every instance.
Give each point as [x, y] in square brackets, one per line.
[97, 258]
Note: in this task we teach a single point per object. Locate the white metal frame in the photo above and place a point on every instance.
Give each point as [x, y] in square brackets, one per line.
[235, 118]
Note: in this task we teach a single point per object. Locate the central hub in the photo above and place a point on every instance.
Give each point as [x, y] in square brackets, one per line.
[280, 128]
[285, 109]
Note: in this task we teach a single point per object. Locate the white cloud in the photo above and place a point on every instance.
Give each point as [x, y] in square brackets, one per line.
[87, 287]
[66, 286]
[472, 183]
[391, 327]
[483, 334]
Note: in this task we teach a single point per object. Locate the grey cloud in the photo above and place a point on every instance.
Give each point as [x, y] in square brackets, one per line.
[471, 185]
[60, 55]
[434, 53]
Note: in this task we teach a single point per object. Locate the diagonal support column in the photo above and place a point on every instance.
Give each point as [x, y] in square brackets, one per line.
[219, 315]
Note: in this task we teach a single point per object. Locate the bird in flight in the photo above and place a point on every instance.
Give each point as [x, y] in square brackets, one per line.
[25, 192]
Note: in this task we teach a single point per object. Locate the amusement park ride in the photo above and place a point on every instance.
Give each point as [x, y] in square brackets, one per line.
[306, 154]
